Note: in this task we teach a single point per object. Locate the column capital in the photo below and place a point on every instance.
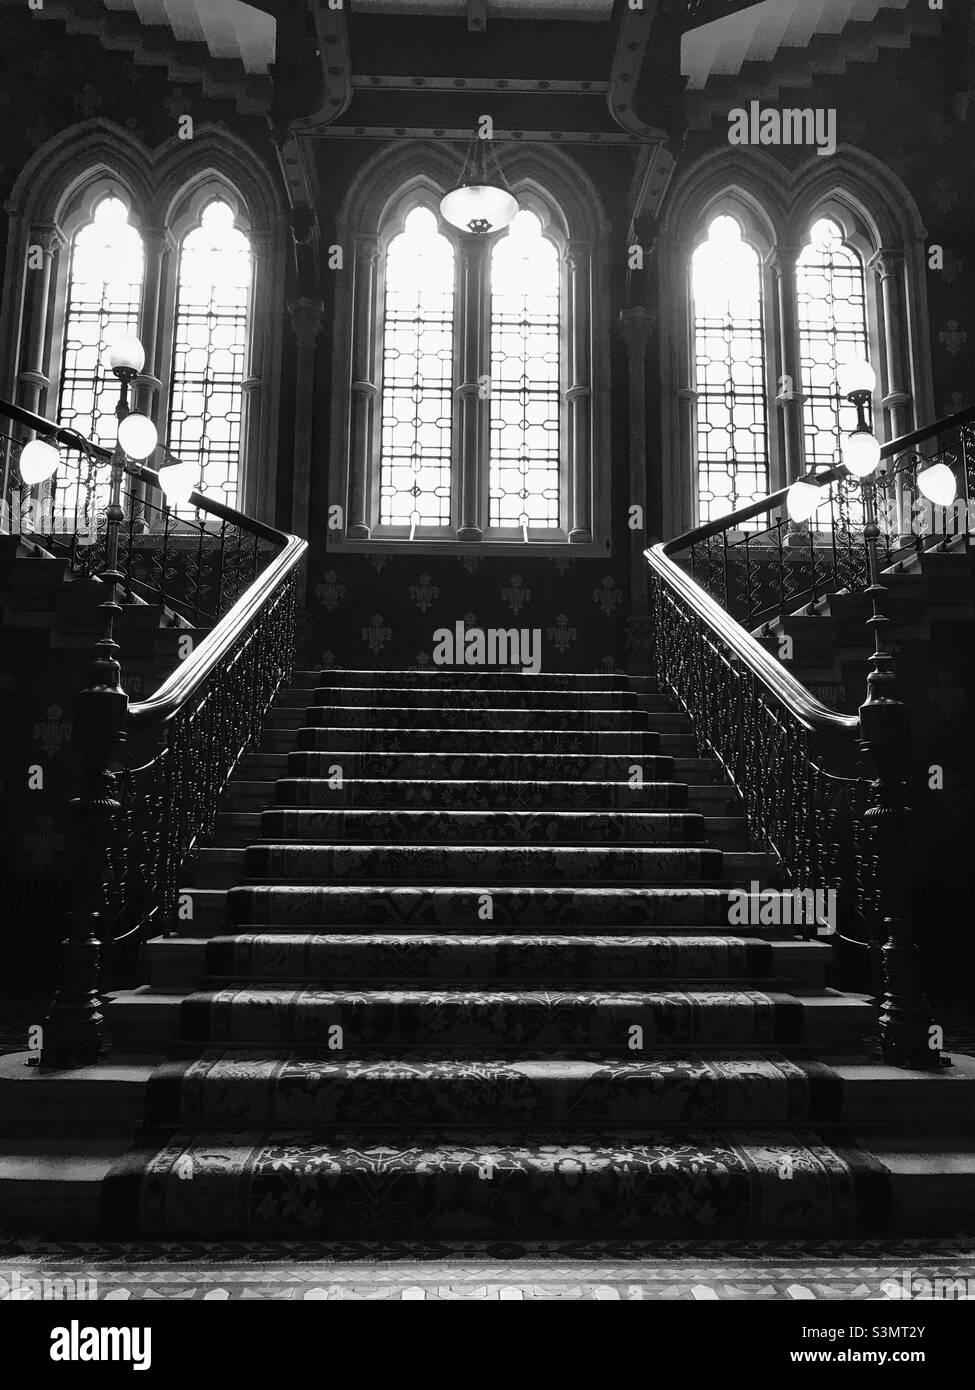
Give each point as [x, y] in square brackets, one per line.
[50, 236]
[782, 259]
[306, 320]
[886, 261]
[158, 239]
[636, 326]
[366, 247]
[577, 253]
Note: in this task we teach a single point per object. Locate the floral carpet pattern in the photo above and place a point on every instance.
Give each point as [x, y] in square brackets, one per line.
[480, 985]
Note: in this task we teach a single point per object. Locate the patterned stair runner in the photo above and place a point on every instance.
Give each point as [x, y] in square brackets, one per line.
[461, 963]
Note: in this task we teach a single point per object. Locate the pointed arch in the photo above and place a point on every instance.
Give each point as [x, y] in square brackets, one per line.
[163, 189]
[395, 181]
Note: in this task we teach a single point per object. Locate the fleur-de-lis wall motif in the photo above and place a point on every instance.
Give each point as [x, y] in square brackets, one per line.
[423, 593]
[43, 843]
[377, 634]
[471, 563]
[953, 337]
[53, 731]
[330, 592]
[609, 595]
[948, 697]
[327, 661]
[562, 633]
[422, 660]
[516, 594]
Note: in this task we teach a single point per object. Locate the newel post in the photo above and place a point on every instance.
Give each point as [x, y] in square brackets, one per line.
[73, 1028]
[905, 1015]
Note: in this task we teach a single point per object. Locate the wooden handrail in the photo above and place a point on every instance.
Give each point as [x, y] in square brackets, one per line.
[811, 713]
[178, 687]
[176, 690]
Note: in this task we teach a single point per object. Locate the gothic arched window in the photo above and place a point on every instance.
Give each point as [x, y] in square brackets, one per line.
[731, 423]
[417, 376]
[210, 340]
[464, 365]
[184, 247]
[525, 378]
[104, 298]
[831, 301]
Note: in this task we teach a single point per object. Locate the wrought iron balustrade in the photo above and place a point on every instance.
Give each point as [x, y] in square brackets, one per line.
[798, 765]
[759, 565]
[154, 770]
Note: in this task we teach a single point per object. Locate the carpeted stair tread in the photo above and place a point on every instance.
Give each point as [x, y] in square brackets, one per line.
[502, 864]
[481, 827]
[589, 718]
[289, 1091]
[313, 905]
[450, 959]
[550, 767]
[286, 1184]
[376, 739]
[445, 696]
[491, 680]
[461, 793]
[497, 1020]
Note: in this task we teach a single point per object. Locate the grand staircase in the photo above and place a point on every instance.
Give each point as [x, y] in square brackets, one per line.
[457, 965]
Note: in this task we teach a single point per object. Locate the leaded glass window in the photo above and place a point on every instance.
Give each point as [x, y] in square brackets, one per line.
[525, 378]
[210, 350]
[103, 300]
[418, 375]
[832, 313]
[731, 428]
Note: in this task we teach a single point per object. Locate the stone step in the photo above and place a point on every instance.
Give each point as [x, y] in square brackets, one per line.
[513, 678]
[378, 793]
[321, 1093]
[471, 1022]
[497, 1186]
[438, 717]
[216, 911]
[242, 828]
[353, 718]
[446, 696]
[438, 863]
[490, 741]
[404, 960]
[501, 767]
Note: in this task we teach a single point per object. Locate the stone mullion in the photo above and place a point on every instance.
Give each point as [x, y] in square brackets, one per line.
[158, 245]
[579, 392]
[636, 325]
[364, 390]
[471, 410]
[252, 403]
[897, 402]
[789, 400]
[33, 380]
[306, 320]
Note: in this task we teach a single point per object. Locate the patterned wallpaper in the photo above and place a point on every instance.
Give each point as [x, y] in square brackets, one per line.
[381, 611]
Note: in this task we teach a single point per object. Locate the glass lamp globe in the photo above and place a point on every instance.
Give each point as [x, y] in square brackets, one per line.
[479, 208]
[177, 481]
[801, 500]
[126, 353]
[861, 453]
[856, 376]
[38, 461]
[938, 485]
[137, 436]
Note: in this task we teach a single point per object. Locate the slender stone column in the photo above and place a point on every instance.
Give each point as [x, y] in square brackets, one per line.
[579, 392]
[636, 325]
[306, 320]
[788, 394]
[364, 388]
[897, 402]
[33, 379]
[472, 409]
[158, 245]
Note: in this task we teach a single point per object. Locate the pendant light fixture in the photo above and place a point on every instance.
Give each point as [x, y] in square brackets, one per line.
[481, 202]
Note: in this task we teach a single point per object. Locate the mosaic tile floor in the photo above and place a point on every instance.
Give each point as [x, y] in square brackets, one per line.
[878, 1271]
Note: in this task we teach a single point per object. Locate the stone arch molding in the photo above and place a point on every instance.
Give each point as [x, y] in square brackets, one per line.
[159, 185]
[880, 219]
